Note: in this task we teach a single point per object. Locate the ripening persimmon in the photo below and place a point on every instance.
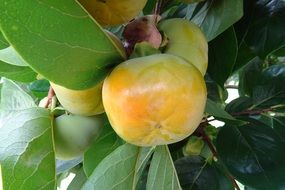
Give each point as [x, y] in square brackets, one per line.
[154, 100]
[186, 39]
[80, 102]
[113, 12]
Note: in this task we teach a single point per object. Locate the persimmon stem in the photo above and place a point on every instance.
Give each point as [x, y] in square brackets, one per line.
[158, 7]
[50, 95]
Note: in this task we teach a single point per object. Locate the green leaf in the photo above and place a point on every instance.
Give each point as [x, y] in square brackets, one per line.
[59, 40]
[14, 98]
[149, 7]
[244, 56]
[214, 17]
[21, 74]
[222, 55]
[249, 75]
[252, 155]
[9, 55]
[26, 147]
[39, 88]
[120, 169]
[215, 92]
[268, 90]
[215, 110]
[26, 150]
[3, 42]
[78, 180]
[277, 123]
[240, 104]
[143, 49]
[162, 174]
[107, 142]
[196, 174]
[65, 165]
[265, 31]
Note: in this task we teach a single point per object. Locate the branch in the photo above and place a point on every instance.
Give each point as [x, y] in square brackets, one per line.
[158, 7]
[252, 112]
[50, 95]
[214, 152]
[231, 86]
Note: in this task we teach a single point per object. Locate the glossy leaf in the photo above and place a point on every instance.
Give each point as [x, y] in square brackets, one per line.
[26, 148]
[65, 165]
[9, 55]
[120, 169]
[68, 47]
[214, 17]
[268, 90]
[215, 92]
[217, 111]
[277, 123]
[14, 98]
[78, 181]
[196, 174]
[149, 7]
[245, 55]
[107, 142]
[249, 75]
[17, 73]
[39, 88]
[224, 44]
[3, 42]
[162, 174]
[240, 104]
[252, 155]
[265, 33]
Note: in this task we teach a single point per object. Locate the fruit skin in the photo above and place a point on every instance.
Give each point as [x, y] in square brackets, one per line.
[113, 12]
[186, 40]
[80, 102]
[73, 134]
[154, 100]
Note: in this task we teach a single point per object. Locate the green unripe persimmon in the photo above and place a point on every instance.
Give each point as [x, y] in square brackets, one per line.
[73, 134]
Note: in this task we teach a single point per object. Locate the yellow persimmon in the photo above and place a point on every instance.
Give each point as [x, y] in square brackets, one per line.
[154, 100]
[186, 39]
[113, 12]
[80, 102]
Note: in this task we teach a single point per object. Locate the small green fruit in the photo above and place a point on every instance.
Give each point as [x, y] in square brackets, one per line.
[194, 146]
[73, 134]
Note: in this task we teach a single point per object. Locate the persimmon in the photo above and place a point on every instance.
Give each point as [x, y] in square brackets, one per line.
[80, 102]
[186, 39]
[73, 134]
[113, 12]
[154, 100]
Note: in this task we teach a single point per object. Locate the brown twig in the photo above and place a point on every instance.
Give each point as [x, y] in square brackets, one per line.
[231, 86]
[252, 112]
[50, 95]
[208, 141]
[158, 7]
